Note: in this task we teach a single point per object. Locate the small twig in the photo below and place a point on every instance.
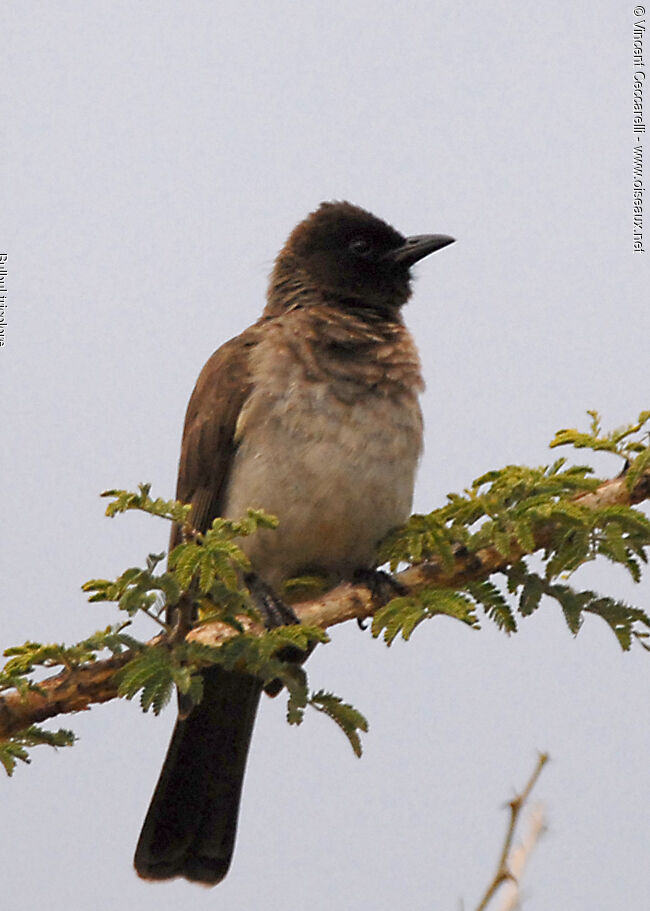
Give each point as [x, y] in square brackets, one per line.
[504, 872]
[519, 858]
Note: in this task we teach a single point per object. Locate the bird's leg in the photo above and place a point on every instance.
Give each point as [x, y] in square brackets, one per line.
[275, 613]
[383, 587]
[272, 608]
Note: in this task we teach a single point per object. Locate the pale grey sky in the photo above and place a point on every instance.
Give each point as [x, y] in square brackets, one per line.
[159, 151]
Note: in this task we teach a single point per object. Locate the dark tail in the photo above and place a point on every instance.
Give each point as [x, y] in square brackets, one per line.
[192, 819]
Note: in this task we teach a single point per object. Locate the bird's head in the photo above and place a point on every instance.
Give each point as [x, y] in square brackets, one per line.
[345, 256]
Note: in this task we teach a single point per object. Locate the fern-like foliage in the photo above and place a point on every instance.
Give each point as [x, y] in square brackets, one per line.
[17, 747]
[516, 511]
[629, 442]
[346, 716]
[273, 658]
[501, 508]
[25, 659]
[623, 442]
[125, 500]
[138, 589]
[206, 569]
[403, 614]
[507, 514]
[628, 623]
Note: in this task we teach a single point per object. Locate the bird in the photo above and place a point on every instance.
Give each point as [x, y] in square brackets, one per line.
[312, 414]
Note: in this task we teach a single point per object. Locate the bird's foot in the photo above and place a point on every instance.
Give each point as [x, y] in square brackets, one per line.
[275, 613]
[383, 587]
[273, 610]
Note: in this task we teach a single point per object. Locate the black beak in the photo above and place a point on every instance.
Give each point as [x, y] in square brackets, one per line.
[419, 246]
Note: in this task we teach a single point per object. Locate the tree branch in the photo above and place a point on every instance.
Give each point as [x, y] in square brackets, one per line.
[75, 689]
[70, 691]
[504, 871]
[510, 897]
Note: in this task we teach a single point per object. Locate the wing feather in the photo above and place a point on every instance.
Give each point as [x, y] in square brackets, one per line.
[208, 443]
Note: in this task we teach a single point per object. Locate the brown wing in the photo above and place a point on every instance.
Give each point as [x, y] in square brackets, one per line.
[192, 819]
[208, 435]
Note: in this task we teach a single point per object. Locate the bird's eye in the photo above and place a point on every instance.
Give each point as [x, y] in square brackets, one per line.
[360, 246]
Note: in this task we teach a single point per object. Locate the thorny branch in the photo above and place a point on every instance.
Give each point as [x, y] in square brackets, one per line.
[76, 689]
[510, 897]
[504, 872]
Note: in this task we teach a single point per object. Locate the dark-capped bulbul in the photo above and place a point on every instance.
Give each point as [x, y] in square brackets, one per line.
[311, 414]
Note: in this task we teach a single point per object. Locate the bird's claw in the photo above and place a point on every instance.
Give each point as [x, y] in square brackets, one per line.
[275, 613]
[383, 588]
[273, 610]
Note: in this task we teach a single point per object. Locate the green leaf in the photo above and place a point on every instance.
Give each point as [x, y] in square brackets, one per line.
[399, 615]
[295, 680]
[403, 614]
[524, 535]
[531, 593]
[152, 675]
[572, 549]
[620, 617]
[620, 442]
[125, 500]
[572, 604]
[16, 747]
[495, 605]
[349, 719]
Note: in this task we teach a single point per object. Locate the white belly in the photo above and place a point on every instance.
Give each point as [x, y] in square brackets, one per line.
[337, 475]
